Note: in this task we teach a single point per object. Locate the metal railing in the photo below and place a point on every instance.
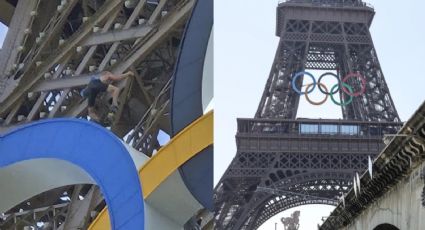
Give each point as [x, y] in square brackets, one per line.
[329, 3]
[317, 127]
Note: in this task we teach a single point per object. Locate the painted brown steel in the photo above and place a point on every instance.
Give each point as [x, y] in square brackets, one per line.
[313, 157]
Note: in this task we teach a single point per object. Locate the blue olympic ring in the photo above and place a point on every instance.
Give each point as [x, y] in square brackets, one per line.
[296, 76]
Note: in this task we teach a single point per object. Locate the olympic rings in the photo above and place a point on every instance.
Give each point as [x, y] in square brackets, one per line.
[296, 76]
[346, 102]
[325, 74]
[322, 101]
[362, 79]
[345, 87]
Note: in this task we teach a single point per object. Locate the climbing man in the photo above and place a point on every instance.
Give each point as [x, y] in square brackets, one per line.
[102, 82]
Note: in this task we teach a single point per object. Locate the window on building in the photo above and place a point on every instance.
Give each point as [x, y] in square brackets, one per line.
[309, 129]
[349, 129]
[329, 129]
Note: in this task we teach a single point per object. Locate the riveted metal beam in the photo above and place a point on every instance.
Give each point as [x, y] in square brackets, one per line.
[33, 74]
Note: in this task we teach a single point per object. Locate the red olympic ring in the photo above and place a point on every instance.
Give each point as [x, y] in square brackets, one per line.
[363, 83]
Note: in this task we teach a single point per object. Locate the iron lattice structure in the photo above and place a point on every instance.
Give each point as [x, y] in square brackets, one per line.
[49, 54]
[283, 162]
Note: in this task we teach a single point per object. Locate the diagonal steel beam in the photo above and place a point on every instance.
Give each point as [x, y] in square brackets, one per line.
[82, 65]
[34, 74]
[15, 34]
[155, 15]
[117, 35]
[54, 31]
[36, 107]
[6, 12]
[164, 29]
[62, 83]
[125, 85]
[162, 32]
[127, 25]
[139, 82]
[175, 19]
[77, 110]
[105, 60]
[79, 210]
[13, 113]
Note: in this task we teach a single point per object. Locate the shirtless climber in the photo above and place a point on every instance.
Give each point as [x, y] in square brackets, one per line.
[102, 82]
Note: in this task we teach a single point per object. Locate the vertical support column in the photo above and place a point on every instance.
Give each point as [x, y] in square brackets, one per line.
[348, 112]
[21, 20]
[279, 100]
[302, 67]
[376, 103]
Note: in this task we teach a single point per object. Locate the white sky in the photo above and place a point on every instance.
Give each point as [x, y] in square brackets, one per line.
[3, 31]
[245, 45]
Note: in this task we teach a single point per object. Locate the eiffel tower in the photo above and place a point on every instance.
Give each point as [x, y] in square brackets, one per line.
[284, 162]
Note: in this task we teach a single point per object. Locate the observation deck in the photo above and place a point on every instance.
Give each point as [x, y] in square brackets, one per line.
[323, 10]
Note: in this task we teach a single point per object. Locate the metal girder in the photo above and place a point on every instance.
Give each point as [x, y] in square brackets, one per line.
[163, 29]
[142, 87]
[313, 189]
[319, 181]
[142, 50]
[6, 12]
[36, 107]
[117, 127]
[279, 155]
[82, 65]
[175, 17]
[158, 10]
[142, 137]
[44, 207]
[78, 214]
[62, 83]
[52, 86]
[376, 103]
[30, 217]
[284, 204]
[278, 102]
[16, 34]
[127, 25]
[355, 55]
[12, 114]
[275, 151]
[118, 35]
[52, 31]
[157, 37]
[34, 74]
[72, 214]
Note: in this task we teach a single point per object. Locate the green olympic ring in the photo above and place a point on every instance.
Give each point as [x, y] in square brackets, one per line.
[345, 102]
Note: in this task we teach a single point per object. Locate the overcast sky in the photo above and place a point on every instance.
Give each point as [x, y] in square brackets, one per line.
[3, 30]
[245, 45]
